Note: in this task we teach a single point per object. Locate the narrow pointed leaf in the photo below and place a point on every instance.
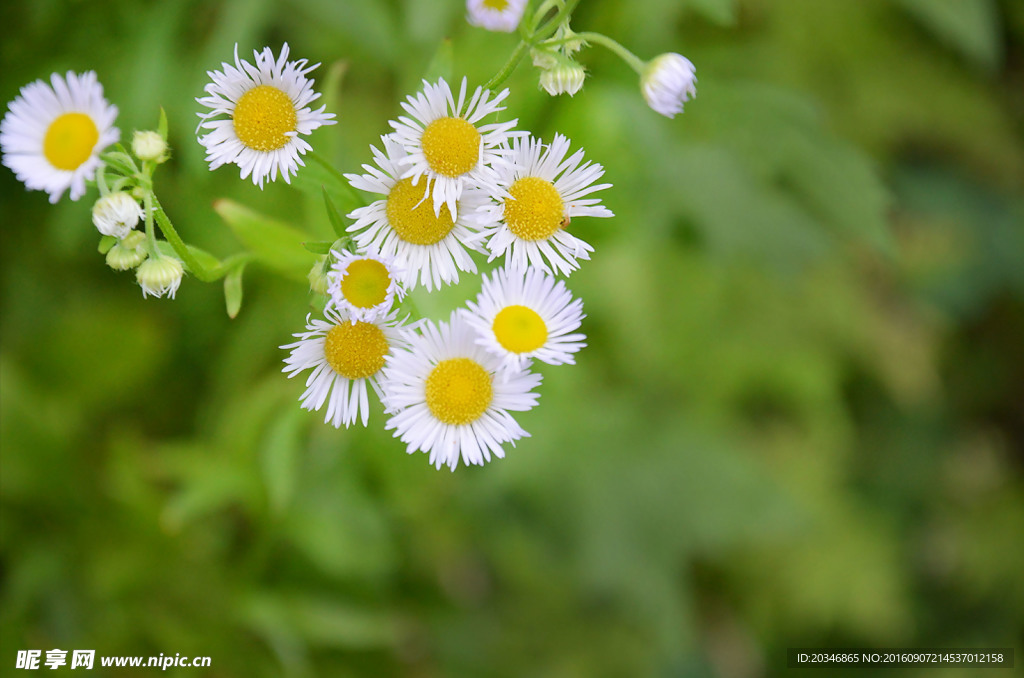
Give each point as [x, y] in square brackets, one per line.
[274, 243]
[332, 213]
[161, 128]
[319, 246]
[441, 65]
[233, 291]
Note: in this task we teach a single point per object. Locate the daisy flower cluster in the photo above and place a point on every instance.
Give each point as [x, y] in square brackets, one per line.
[455, 187]
[455, 190]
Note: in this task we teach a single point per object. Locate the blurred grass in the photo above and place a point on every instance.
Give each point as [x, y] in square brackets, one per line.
[799, 421]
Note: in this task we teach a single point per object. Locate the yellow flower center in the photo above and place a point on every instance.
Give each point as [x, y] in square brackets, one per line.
[69, 140]
[499, 5]
[366, 283]
[520, 329]
[263, 117]
[535, 211]
[458, 391]
[416, 224]
[451, 146]
[356, 351]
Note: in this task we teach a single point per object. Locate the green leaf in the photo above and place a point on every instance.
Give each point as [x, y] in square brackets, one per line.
[117, 163]
[782, 141]
[233, 291]
[121, 157]
[969, 26]
[314, 179]
[275, 244]
[279, 456]
[721, 12]
[161, 127]
[320, 620]
[106, 242]
[327, 142]
[319, 246]
[332, 213]
[441, 66]
[205, 259]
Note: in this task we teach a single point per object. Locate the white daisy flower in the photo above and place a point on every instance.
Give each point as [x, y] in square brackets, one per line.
[540, 192]
[444, 142]
[667, 82]
[363, 285]
[519, 317]
[430, 246]
[495, 15]
[257, 114]
[447, 399]
[52, 135]
[345, 356]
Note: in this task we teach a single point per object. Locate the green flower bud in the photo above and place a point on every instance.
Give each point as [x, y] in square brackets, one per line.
[160, 276]
[317, 278]
[149, 146]
[121, 258]
[563, 79]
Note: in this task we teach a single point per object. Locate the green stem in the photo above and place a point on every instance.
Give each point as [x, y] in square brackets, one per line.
[150, 233]
[517, 54]
[562, 16]
[197, 269]
[544, 8]
[635, 62]
[534, 36]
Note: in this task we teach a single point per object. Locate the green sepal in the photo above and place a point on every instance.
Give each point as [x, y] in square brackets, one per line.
[233, 290]
[332, 213]
[120, 163]
[274, 243]
[106, 242]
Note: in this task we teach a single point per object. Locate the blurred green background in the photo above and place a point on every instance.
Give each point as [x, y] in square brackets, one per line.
[799, 422]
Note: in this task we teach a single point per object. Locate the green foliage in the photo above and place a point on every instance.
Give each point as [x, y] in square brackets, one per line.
[969, 26]
[274, 243]
[797, 420]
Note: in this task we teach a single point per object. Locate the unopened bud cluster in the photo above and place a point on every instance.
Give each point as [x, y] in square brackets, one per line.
[118, 211]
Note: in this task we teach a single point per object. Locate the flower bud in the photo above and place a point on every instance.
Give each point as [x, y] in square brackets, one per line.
[149, 146]
[133, 240]
[121, 258]
[116, 214]
[569, 43]
[317, 277]
[160, 276]
[668, 81]
[543, 58]
[563, 79]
